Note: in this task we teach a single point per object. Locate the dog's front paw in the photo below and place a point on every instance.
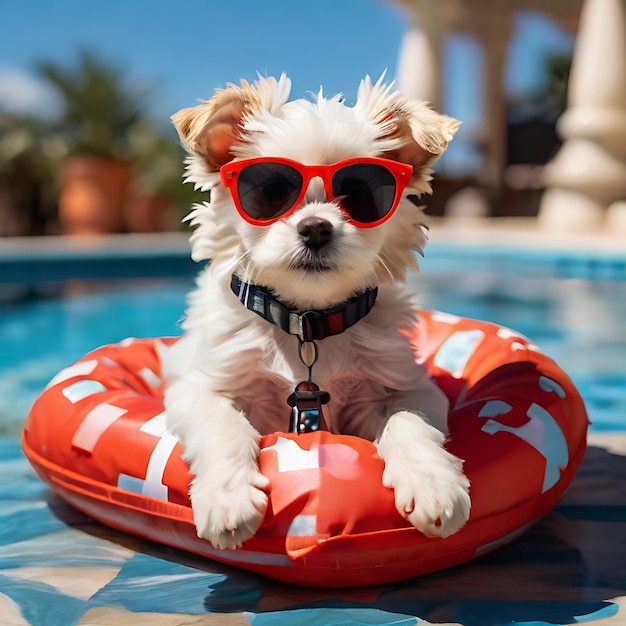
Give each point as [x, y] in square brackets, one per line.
[436, 504]
[429, 486]
[230, 512]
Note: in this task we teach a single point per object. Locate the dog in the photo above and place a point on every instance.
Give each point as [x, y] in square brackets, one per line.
[310, 228]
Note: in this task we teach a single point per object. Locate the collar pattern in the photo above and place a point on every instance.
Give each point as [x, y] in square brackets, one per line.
[310, 325]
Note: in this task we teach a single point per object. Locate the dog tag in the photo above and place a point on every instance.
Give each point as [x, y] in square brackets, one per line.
[306, 408]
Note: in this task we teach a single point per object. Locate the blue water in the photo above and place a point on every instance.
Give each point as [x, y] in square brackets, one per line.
[578, 323]
[57, 568]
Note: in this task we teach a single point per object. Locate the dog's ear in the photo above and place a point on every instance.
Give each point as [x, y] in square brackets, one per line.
[211, 128]
[410, 131]
[423, 134]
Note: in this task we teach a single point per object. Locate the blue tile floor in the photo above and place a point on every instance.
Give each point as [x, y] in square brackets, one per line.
[58, 568]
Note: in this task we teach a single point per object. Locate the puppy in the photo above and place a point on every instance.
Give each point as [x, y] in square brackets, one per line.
[310, 228]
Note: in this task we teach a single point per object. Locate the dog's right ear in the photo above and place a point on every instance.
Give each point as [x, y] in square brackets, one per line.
[213, 128]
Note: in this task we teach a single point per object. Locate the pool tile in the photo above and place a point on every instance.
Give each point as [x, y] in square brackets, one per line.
[146, 583]
[106, 616]
[40, 604]
[10, 612]
[76, 582]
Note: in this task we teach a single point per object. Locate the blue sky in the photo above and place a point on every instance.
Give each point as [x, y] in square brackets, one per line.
[184, 49]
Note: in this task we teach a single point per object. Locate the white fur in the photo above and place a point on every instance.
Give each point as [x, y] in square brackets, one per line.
[231, 373]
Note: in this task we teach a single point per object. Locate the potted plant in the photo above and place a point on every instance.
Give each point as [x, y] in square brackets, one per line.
[98, 114]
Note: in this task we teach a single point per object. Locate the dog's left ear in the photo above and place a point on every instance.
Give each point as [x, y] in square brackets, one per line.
[410, 131]
[424, 134]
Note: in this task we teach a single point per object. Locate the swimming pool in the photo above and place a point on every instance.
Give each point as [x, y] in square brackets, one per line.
[58, 568]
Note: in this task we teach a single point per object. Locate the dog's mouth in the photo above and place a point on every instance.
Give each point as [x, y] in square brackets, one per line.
[311, 261]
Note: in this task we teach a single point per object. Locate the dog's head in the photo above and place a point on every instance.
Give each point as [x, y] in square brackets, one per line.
[316, 254]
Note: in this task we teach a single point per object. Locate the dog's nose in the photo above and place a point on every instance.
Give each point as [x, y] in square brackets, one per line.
[315, 232]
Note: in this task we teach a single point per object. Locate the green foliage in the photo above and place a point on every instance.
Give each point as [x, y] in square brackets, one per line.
[101, 113]
[99, 108]
[549, 101]
[19, 137]
[557, 71]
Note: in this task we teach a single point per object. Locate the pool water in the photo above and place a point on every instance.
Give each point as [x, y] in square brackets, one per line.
[40, 336]
[58, 568]
[578, 323]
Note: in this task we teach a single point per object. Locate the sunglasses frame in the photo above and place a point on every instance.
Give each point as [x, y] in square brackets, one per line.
[401, 172]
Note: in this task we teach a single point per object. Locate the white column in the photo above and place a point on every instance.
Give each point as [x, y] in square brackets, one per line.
[494, 34]
[588, 174]
[418, 67]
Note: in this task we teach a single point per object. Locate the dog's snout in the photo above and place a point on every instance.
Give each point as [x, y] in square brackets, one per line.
[315, 232]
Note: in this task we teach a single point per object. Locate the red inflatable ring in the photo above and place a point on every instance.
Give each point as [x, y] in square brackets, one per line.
[96, 436]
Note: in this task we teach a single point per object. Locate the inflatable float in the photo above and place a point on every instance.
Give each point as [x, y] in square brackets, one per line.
[97, 437]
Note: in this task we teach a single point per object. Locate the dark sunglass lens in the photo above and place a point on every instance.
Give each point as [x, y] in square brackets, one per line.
[366, 191]
[267, 190]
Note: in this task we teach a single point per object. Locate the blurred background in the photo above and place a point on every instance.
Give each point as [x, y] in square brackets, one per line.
[87, 88]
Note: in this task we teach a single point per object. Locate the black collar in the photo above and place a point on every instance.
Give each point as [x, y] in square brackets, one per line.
[310, 325]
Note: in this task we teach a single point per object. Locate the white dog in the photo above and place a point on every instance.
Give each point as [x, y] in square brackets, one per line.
[312, 209]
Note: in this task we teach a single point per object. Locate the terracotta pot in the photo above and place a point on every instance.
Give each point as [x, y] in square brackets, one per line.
[92, 194]
[148, 213]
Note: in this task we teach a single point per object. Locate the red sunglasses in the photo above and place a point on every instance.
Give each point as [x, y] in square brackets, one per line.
[267, 189]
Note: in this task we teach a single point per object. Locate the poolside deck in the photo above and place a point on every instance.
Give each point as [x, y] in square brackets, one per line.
[597, 254]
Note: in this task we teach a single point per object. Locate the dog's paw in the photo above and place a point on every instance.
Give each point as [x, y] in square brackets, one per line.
[430, 489]
[229, 513]
[436, 504]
